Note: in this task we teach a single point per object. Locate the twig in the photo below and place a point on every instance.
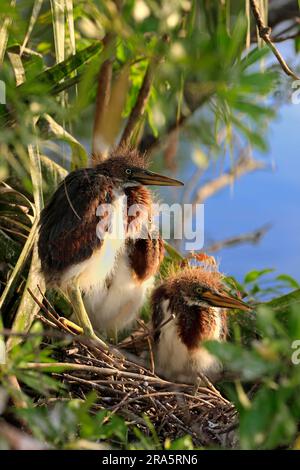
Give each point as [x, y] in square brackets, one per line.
[97, 370]
[93, 385]
[244, 165]
[265, 33]
[250, 237]
[288, 37]
[55, 320]
[152, 364]
[281, 38]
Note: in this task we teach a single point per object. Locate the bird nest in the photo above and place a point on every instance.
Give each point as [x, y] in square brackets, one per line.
[125, 386]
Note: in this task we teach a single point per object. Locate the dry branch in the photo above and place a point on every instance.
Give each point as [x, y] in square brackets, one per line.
[243, 166]
[250, 237]
[265, 33]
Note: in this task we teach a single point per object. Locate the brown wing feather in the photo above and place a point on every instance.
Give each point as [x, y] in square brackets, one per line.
[68, 223]
[145, 257]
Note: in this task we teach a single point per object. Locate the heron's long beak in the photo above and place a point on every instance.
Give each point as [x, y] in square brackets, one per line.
[224, 300]
[149, 178]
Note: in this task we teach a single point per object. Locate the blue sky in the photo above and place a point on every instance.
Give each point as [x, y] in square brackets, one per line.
[268, 196]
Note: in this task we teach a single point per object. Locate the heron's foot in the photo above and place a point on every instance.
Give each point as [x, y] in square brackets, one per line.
[71, 325]
[89, 332]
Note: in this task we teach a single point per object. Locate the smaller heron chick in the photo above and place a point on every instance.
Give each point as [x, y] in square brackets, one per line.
[194, 301]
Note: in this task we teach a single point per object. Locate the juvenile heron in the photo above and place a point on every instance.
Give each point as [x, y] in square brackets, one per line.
[194, 301]
[111, 271]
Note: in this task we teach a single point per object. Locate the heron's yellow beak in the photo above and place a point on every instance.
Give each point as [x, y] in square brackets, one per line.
[224, 300]
[154, 179]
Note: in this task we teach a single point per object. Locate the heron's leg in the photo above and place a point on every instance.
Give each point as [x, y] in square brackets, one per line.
[81, 314]
[198, 383]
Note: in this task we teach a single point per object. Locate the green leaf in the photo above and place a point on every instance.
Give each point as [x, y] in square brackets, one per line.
[17, 66]
[183, 443]
[237, 38]
[12, 282]
[254, 275]
[289, 280]
[173, 253]
[79, 154]
[254, 56]
[70, 18]
[268, 422]
[53, 174]
[9, 249]
[284, 302]
[48, 79]
[254, 137]
[249, 365]
[58, 22]
[257, 83]
[28, 308]
[297, 44]
[33, 18]
[255, 111]
[4, 31]
[293, 322]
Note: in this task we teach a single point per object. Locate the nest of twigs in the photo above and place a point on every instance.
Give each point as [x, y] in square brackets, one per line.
[127, 387]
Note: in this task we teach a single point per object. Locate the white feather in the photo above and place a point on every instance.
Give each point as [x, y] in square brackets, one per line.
[91, 273]
[175, 362]
[116, 307]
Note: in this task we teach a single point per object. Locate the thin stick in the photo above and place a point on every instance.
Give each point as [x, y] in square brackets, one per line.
[250, 237]
[96, 370]
[152, 364]
[242, 167]
[265, 33]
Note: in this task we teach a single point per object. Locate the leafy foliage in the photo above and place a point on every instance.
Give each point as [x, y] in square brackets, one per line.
[267, 365]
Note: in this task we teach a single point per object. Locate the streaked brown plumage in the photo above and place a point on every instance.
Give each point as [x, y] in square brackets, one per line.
[197, 300]
[111, 273]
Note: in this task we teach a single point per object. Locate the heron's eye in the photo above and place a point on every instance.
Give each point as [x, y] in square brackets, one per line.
[199, 290]
[128, 171]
